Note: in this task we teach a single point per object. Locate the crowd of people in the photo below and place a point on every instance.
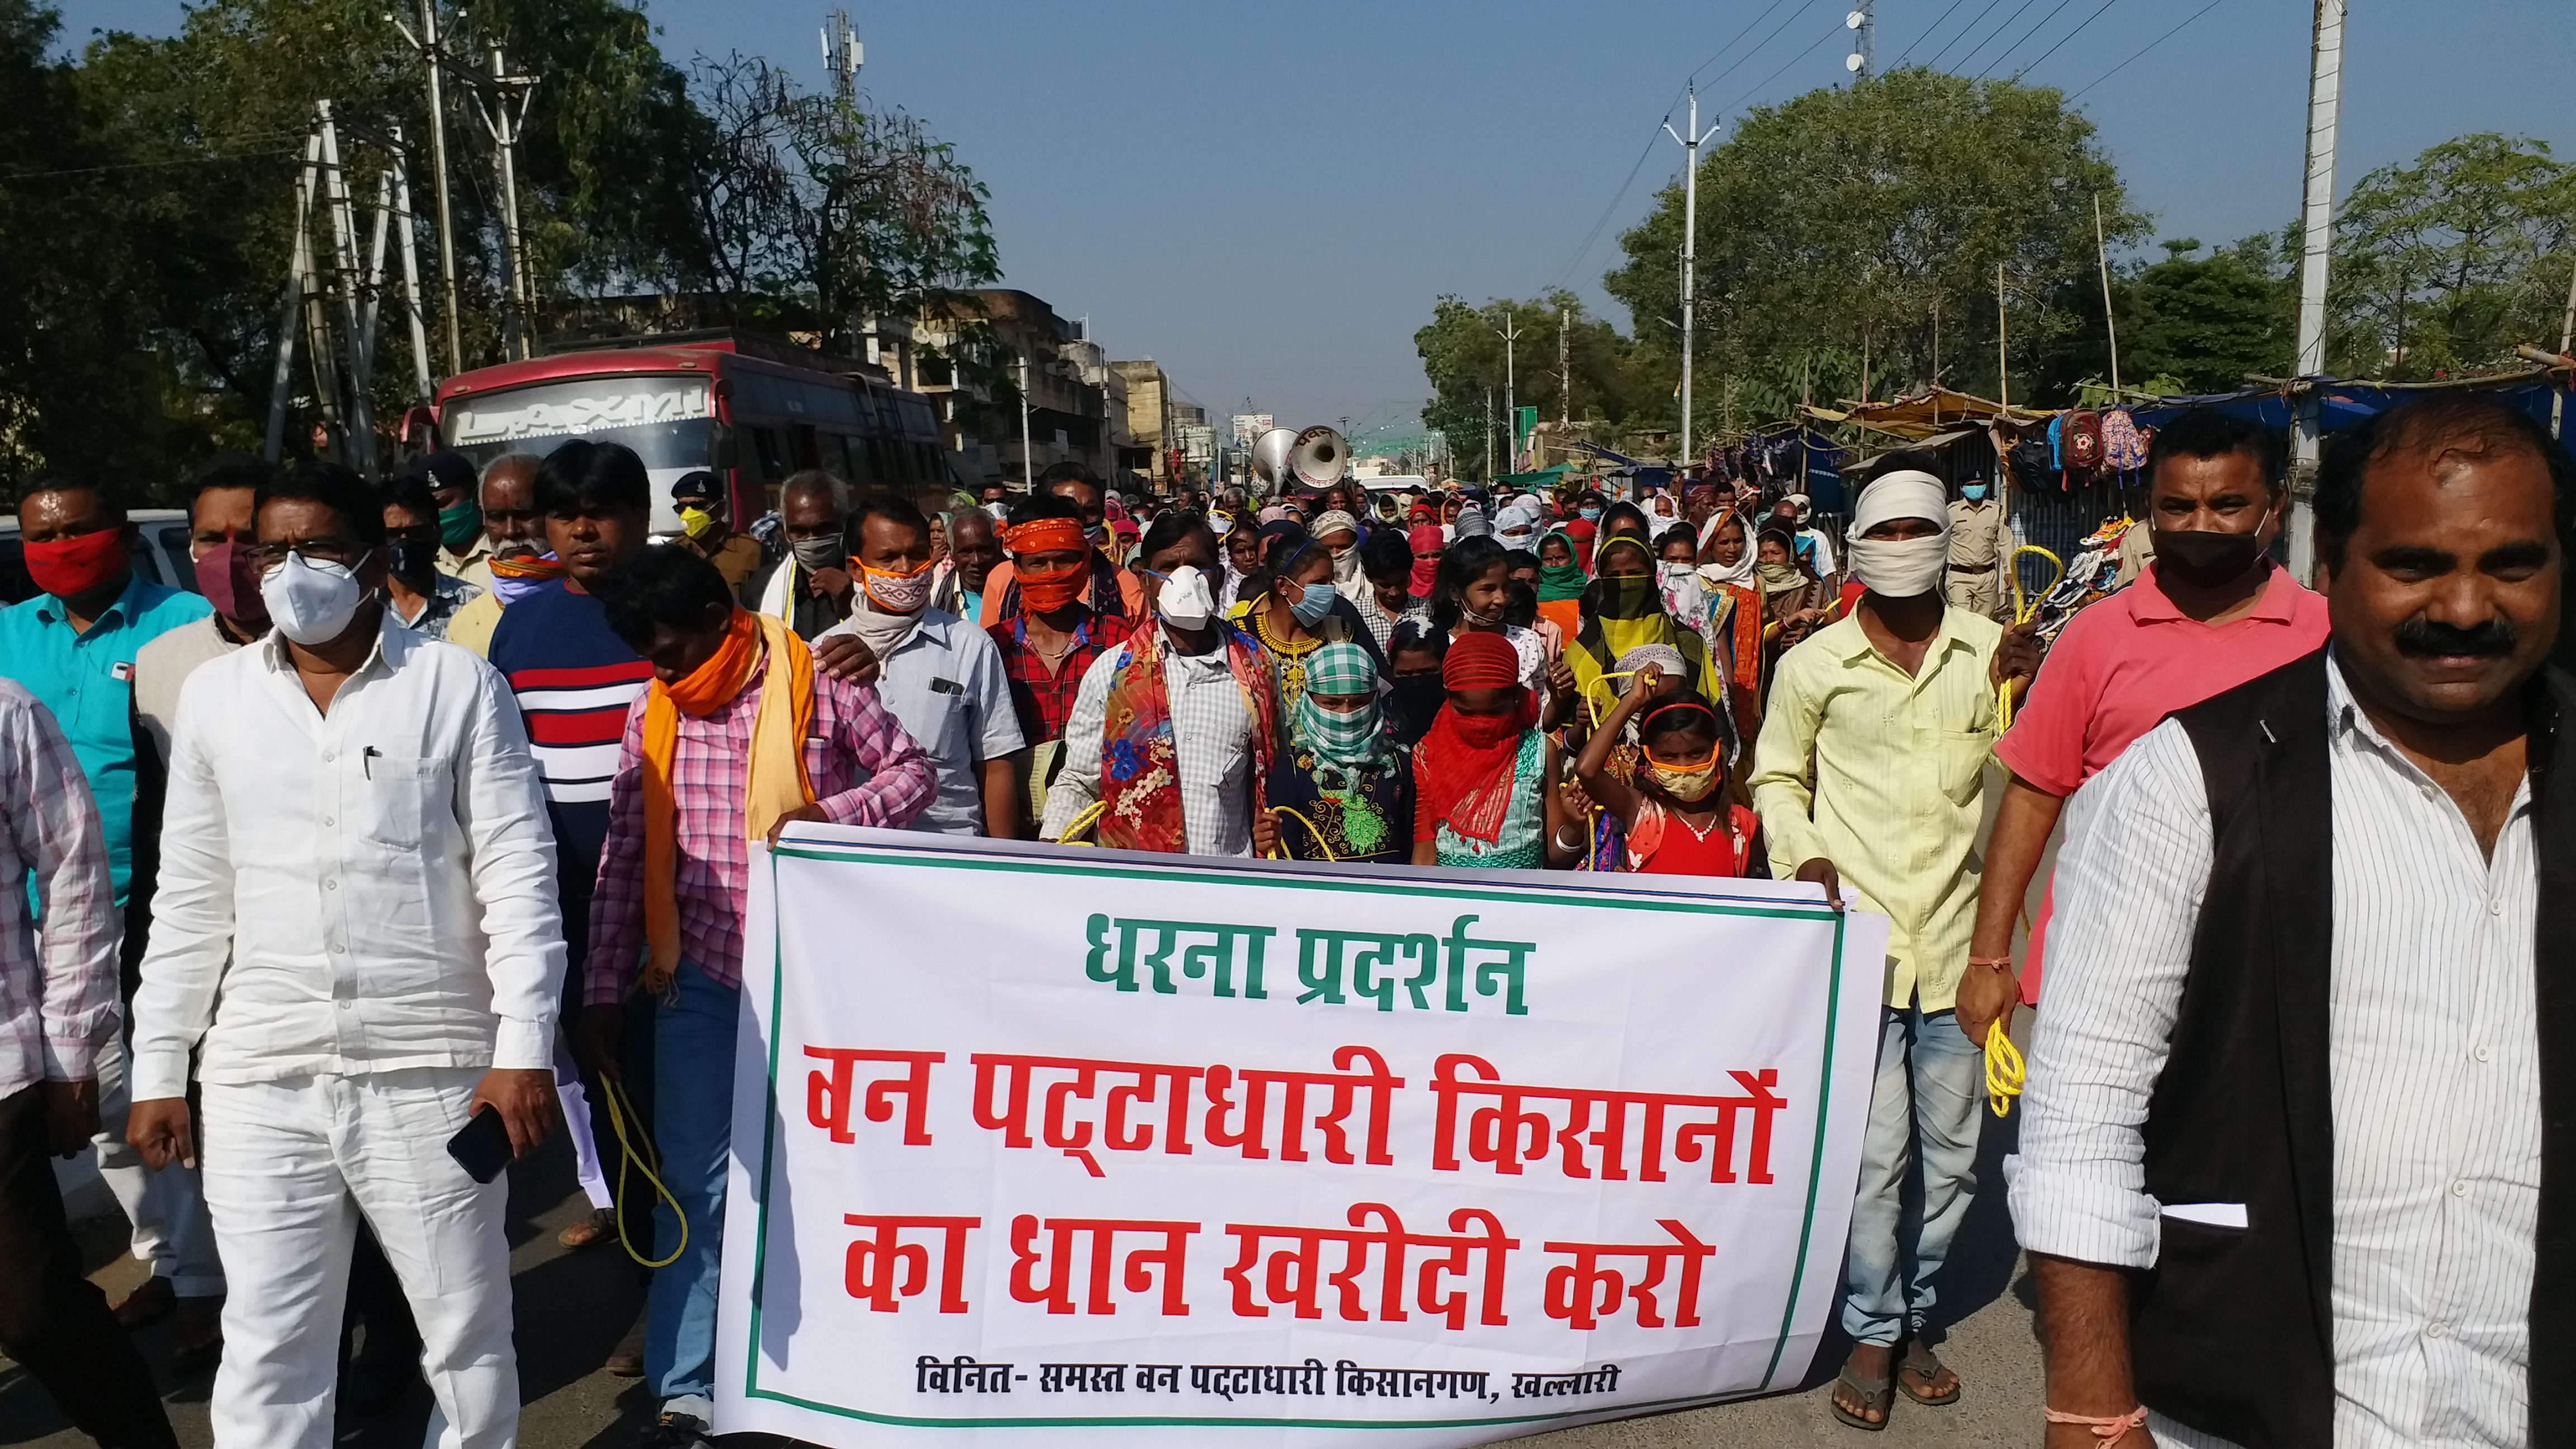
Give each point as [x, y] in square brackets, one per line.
[439, 796]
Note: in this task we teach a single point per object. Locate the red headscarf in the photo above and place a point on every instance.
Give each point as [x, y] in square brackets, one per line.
[1463, 769]
[1582, 531]
[1424, 538]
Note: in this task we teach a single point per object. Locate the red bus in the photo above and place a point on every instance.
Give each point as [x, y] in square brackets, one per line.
[747, 409]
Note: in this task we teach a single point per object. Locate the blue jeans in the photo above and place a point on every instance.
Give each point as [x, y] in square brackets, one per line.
[1931, 1080]
[693, 1130]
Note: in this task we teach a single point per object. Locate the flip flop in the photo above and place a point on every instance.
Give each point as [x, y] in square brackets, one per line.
[1879, 1394]
[1920, 1359]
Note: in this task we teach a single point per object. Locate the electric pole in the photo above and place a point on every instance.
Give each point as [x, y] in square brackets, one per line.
[1690, 255]
[1511, 406]
[2325, 98]
[1864, 29]
[505, 120]
[1489, 434]
[433, 58]
[1028, 468]
[1564, 374]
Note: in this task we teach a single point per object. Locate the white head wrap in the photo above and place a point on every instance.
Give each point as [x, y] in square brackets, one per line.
[1908, 493]
[1742, 573]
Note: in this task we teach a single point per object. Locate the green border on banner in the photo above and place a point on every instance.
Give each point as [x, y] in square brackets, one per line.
[1712, 906]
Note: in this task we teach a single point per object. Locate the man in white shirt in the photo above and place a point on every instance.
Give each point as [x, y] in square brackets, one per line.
[356, 937]
[2297, 1150]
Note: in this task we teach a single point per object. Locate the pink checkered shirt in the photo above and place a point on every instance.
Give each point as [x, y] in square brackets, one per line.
[57, 988]
[865, 771]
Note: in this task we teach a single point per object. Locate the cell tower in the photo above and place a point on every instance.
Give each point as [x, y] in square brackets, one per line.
[843, 55]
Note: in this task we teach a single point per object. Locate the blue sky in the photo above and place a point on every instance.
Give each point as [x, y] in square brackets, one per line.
[1267, 198]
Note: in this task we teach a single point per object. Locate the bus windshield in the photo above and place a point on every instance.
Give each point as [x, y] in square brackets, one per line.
[667, 418]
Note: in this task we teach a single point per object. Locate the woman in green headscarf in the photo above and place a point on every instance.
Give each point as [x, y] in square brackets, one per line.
[1622, 609]
[1343, 789]
[1561, 581]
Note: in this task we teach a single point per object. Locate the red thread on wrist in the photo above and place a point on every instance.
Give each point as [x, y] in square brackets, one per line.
[2105, 1430]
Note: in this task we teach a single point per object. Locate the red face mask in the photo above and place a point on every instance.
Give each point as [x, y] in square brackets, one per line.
[64, 567]
[228, 576]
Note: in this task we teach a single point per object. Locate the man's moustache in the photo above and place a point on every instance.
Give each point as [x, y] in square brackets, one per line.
[2423, 638]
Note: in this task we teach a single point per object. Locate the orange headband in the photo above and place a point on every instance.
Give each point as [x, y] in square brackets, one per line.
[1046, 535]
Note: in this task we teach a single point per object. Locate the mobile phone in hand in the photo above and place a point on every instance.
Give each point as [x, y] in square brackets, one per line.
[482, 1145]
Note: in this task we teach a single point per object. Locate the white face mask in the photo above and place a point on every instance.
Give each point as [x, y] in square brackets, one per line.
[311, 603]
[1184, 601]
[1900, 568]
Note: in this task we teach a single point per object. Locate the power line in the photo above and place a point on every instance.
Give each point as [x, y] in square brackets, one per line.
[2061, 40]
[2142, 50]
[1969, 29]
[1996, 34]
[1929, 31]
[1610, 210]
[190, 160]
[1784, 66]
[2026, 37]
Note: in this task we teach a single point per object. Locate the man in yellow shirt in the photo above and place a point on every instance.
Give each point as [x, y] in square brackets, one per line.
[1873, 771]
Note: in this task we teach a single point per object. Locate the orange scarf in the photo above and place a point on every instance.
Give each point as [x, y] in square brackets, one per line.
[774, 780]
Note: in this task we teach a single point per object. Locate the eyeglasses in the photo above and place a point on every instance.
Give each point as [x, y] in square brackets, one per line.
[271, 556]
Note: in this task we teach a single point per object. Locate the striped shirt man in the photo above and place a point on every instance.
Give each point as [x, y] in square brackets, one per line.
[2435, 1062]
[574, 679]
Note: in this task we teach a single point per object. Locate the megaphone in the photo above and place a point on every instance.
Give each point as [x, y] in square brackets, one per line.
[1270, 457]
[1320, 458]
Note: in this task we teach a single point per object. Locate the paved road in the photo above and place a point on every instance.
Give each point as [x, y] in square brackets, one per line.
[572, 1308]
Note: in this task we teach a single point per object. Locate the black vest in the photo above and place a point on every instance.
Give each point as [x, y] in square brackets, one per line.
[2232, 1332]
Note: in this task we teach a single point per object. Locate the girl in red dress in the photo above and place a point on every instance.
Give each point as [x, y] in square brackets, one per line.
[1674, 811]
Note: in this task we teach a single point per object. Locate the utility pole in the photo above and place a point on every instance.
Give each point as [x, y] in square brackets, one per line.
[1511, 411]
[1690, 254]
[1028, 467]
[421, 375]
[2102, 254]
[434, 59]
[1489, 434]
[843, 55]
[2325, 100]
[1564, 373]
[2566, 339]
[1864, 29]
[505, 122]
[361, 441]
[2003, 355]
[291, 308]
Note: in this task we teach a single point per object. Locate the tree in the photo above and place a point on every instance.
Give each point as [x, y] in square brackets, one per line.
[1462, 353]
[817, 204]
[1867, 221]
[2207, 323]
[2448, 262]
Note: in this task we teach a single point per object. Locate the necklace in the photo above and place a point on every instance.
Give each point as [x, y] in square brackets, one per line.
[1276, 645]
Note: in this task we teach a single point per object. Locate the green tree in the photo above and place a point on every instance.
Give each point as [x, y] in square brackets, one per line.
[2447, 262]
[811, 204]
[1867, 222]
[2206, 323]
[1462, 353]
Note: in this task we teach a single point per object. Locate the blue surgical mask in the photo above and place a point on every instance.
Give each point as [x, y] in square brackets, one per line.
[1588, 512]
[1313, 604]
[1974, 492]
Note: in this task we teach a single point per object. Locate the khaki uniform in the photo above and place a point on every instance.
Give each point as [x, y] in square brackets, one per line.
[1978, 542]
[2137, 550]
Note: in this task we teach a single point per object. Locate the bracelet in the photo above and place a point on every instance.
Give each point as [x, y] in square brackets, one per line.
[2105, 1430]
[2003, 961]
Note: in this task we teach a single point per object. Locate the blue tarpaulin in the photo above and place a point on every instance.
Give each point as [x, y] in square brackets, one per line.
[2340, 404]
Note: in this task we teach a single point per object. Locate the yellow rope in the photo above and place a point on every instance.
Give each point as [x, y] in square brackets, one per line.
[2004, 1070]
[1280, 851]
[1601, 681]
[619, 1111]
[1083, 822]
[2023, 608]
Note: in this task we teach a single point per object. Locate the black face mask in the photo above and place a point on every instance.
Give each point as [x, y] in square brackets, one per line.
[411, 558]
[1415, 703]
[2206, 559]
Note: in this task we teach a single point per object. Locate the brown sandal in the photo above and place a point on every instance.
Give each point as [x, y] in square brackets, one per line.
[1879, 1394]
[1920, 1361]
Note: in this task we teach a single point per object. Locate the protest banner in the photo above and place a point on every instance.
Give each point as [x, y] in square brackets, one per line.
[1028, 1139]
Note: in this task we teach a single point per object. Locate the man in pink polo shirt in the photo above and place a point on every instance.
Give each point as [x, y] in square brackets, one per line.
[2212, 612]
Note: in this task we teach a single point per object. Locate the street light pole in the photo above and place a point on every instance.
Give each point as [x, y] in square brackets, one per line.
[1690, 257]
